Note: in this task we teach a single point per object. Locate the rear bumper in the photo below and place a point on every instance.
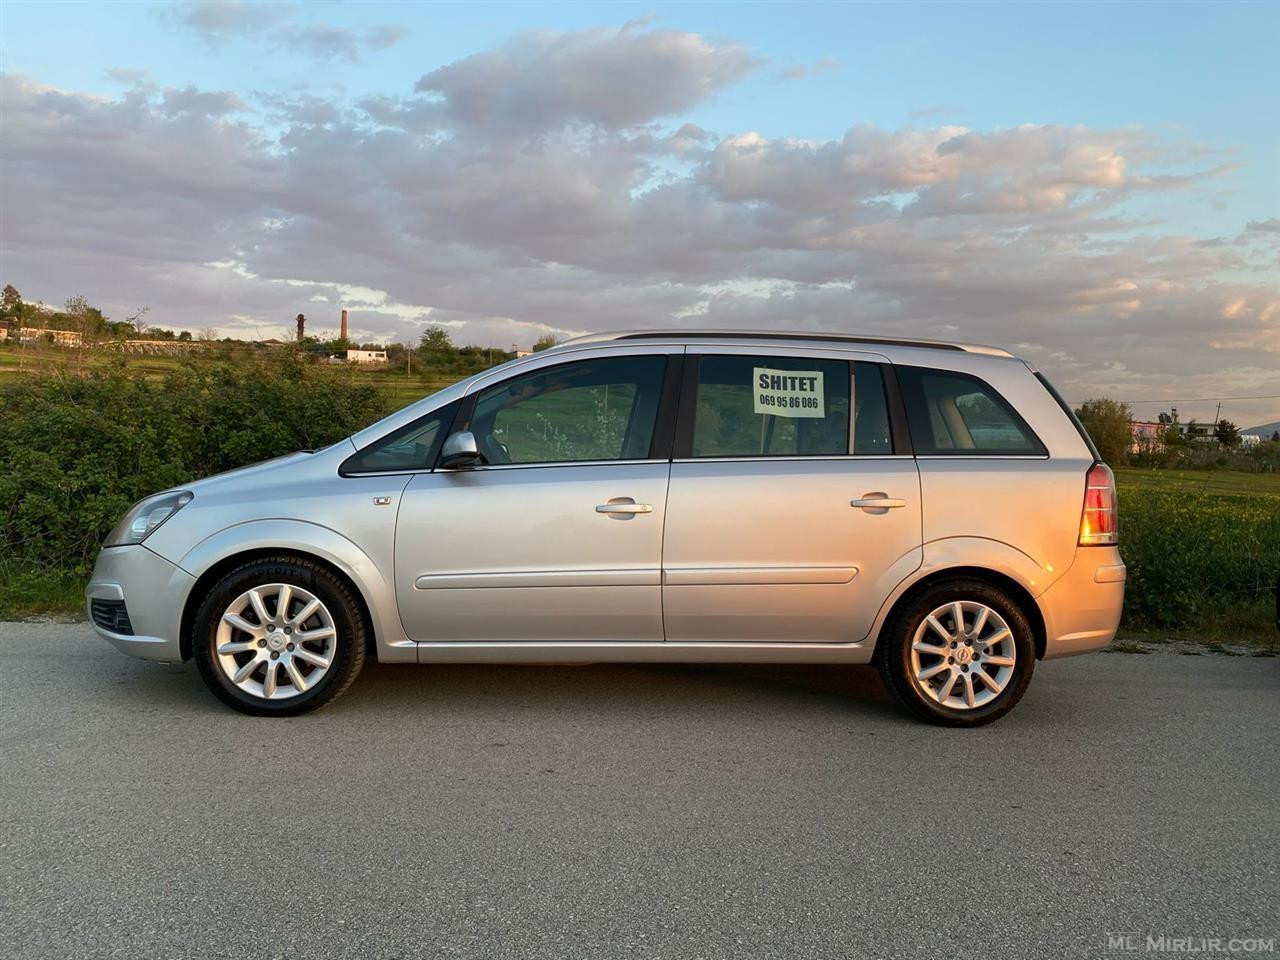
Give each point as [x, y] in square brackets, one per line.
[1082, 608]
[154, 592]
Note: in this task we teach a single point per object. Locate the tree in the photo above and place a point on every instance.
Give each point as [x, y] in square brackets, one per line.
[10, 300]
[1228, 433]
[437, 346]
[137, 321]
[1108, 424]
[545, 342]
[84, 317]
[1275, 435]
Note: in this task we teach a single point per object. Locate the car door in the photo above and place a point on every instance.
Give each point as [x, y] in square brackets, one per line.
[558, 537]
[788, 520]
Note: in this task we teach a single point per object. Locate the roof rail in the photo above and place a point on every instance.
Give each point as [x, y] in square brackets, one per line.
[783, 335]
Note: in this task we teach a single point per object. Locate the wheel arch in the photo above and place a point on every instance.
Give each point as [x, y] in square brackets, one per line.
[220, 568]
[1016, 591]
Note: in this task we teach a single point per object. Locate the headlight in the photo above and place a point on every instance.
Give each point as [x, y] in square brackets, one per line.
[145, 516]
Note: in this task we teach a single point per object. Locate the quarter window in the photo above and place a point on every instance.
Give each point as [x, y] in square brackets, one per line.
[603, 409]
[759, 406]
[412, 447]
[956, 414]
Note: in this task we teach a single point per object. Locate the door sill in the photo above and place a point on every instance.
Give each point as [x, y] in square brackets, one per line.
[542, 651]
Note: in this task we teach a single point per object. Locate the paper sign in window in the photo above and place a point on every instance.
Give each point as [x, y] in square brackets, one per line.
[788, 393]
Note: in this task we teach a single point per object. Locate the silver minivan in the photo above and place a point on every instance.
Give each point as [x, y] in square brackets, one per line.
[932, 508]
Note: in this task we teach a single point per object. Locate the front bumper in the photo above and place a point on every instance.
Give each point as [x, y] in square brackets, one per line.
[1082, 608]
[153, 591]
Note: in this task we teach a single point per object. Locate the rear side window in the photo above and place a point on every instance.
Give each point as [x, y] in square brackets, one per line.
[761, 406]
[957, 414]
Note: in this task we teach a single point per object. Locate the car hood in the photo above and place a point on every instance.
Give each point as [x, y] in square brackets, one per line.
[267, 470]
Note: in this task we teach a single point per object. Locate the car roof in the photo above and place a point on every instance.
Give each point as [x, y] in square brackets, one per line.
[811, 336]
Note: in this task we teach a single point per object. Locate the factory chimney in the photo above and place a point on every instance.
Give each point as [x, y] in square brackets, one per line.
[343, 335]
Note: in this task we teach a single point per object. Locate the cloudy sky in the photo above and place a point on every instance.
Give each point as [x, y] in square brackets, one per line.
[1095, 186]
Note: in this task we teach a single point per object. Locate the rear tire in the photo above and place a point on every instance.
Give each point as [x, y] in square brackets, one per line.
[961, 677]
[278, 636]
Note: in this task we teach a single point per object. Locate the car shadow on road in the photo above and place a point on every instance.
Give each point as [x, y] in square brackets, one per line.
[484, 691]
[411, 689]
[686, 688]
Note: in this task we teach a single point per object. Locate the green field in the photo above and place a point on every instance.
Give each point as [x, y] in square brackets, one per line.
[1197, 482]
[402, 388]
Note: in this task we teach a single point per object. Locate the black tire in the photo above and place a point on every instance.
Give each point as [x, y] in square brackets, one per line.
[893, 652]
[336, 595]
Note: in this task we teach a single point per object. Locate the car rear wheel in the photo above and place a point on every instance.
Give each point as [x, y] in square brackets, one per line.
[959, 654]
[278, 636]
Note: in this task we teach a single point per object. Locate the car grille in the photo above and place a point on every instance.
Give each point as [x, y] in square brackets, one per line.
[111, 615]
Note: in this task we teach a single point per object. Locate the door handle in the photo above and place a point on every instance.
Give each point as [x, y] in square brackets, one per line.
[624, 505]
[878, 502]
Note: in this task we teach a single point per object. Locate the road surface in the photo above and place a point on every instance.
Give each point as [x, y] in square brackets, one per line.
[631, 811]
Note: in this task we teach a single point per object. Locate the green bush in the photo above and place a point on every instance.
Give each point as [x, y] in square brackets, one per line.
[76, 449]
[1191, 558]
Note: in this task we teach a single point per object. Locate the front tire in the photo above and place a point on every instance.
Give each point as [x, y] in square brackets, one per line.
[959, 654]
[278, 636]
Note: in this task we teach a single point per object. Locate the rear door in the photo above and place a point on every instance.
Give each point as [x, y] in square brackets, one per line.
[794, 503]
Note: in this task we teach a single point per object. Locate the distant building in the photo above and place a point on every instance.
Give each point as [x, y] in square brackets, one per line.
[366, 356]
[1148, 435]
[63, 338]
[1249, 439]
[523, 353]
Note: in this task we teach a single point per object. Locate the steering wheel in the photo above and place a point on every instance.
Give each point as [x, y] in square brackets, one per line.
[493, 451]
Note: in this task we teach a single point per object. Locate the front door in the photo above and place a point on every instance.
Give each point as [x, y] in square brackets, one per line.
[788, 521]
[559, 536]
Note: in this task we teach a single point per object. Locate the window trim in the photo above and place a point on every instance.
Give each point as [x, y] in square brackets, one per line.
[899, 425]
[449, 421]
[662, 430]
[916, 407]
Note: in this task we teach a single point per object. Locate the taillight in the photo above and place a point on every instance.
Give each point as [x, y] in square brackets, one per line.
[1099, 521]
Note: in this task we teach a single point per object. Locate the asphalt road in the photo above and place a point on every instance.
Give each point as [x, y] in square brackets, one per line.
[630, 811]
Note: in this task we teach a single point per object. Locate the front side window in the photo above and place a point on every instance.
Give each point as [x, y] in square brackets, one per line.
[604, 409]
[761, 406]
[412, 447]
[956, 414]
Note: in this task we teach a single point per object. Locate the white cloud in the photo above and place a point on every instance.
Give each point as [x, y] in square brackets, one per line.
[277, 25]
[609, 78]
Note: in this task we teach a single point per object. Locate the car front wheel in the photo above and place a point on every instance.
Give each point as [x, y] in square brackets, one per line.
[278, 636]
[959, 654]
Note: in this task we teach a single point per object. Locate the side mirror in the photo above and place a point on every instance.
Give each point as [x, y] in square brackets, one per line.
[460, 451]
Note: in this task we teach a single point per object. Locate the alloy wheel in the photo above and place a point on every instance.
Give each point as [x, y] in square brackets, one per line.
[275, 641]
[962, 655]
